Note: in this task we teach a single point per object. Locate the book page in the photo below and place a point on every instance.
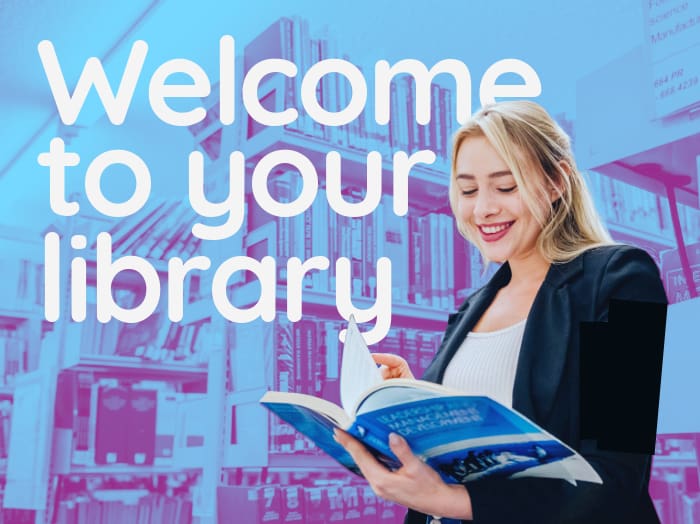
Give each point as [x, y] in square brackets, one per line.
[358, 371]
[401, 391]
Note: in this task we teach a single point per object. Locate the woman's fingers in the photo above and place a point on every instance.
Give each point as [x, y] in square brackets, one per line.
[386, 372]
[369, 466]
[388, 359]
[393, 366]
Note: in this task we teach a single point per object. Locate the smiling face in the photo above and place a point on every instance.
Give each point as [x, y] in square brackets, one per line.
[490, 205]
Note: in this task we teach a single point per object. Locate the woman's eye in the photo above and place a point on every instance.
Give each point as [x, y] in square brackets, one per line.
[507, 189]
[468, 192]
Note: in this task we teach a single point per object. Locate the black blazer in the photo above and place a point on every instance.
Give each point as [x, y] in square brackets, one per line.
[547, 389]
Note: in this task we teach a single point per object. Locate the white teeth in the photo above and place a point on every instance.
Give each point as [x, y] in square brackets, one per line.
[490, 230]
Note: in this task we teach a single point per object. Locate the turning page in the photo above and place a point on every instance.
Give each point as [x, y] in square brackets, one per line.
[358, 371]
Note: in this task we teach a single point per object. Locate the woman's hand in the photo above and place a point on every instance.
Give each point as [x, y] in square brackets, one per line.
[415, 485]
[393, 366]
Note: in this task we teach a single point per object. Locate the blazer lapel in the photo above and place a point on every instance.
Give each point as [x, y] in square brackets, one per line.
[545, 345]
[543, 353]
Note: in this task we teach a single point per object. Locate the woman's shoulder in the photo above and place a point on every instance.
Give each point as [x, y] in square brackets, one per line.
[603, 255]
[614, 259]
[622, 271]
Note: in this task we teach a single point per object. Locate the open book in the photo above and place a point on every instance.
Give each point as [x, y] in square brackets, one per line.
[464, 438]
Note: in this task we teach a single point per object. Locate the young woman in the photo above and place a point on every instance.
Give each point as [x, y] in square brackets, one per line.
[517, 195]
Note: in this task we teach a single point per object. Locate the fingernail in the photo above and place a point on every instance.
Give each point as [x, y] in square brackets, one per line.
[394, 438]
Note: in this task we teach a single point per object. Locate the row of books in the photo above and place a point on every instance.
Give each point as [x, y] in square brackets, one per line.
[309, 504]
[622, 203]
[13, 354]
[410, 242]
[289, 38]
[149, 508]
[121, 422]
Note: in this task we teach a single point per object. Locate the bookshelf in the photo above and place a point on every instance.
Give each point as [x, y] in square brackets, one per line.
[107, 422]
[136, 368]
[21, 333]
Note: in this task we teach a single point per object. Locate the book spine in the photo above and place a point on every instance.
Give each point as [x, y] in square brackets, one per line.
[112, 414]
[141, 425]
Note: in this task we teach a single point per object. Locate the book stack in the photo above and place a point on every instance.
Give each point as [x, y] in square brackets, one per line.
[249, 503]
[305, 502]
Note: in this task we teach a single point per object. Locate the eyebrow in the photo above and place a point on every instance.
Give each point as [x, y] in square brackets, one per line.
[495, 174]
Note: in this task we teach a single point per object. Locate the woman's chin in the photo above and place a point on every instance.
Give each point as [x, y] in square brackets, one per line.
[495, 257]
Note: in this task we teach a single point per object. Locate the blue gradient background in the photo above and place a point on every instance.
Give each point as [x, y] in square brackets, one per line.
[590, 57]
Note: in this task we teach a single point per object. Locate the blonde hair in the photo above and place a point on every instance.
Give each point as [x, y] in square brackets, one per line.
[531, 144]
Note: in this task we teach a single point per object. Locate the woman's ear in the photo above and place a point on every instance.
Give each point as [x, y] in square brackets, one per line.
[557, 185]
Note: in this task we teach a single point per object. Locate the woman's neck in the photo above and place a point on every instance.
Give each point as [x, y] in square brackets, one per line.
[527, 271]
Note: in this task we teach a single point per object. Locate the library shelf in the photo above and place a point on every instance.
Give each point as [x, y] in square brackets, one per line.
[136, 367]
[128, 470]
[661, 241]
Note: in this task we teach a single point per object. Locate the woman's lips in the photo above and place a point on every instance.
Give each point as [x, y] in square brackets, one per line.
[494, 232]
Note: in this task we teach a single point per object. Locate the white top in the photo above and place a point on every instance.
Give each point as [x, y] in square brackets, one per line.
[485, 363]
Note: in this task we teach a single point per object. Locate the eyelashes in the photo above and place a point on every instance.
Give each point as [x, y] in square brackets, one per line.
[470, 192]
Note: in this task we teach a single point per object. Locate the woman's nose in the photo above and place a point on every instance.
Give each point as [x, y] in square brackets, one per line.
[486, 205]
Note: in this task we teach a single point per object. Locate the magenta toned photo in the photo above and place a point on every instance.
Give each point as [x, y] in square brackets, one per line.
[196, 198]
